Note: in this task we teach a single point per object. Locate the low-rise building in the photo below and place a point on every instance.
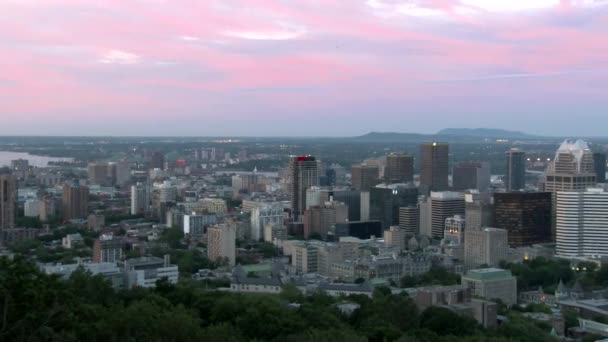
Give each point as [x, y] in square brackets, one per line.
[146, 271]
[492, 283]
[72, 240]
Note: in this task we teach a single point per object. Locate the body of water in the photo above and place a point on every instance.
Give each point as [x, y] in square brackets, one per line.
[38, 161]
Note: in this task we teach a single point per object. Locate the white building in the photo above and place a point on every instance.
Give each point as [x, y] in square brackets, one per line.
[146, 271]
[270, 213]
[72, 240]
[139, 199]
[221, 243]
[582, 223]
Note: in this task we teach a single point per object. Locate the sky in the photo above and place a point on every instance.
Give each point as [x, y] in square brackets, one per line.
[302, 67]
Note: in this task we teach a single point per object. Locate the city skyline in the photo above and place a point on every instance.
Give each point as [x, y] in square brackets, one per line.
[268, 68]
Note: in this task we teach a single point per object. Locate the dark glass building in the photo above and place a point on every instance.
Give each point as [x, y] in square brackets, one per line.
[385, 201]
[434, 166]
[359, 229]
[399, 168]
[525, 215]
[515, 175]
[599, 164]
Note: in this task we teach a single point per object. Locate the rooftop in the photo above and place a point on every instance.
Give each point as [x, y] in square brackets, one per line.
[485, 274]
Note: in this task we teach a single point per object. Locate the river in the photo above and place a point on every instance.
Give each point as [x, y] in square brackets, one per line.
[38, 161]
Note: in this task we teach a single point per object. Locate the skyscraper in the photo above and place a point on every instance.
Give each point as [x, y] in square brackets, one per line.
[515, 175]
[157, 161]
[364, 177]
[572, 168]
[8, 200]
[399, 168]
[221, 243]
[319, 219]
[75, 202]
[385, 201]
[444, 205]
[525, 215]
[471, 175]
[140, 200]
[434, 167]
[582, 223]
[599, 164]
[409, 220]
[303, 174]
[487, 246]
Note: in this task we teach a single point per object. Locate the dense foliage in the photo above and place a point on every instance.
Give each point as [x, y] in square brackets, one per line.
[437, 275]
[36, 306]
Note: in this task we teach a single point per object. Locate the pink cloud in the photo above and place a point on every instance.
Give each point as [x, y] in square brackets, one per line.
[138, 56]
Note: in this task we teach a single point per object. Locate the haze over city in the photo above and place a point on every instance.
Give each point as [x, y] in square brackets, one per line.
[322, 68]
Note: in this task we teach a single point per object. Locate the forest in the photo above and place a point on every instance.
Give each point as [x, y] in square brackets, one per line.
[39, 307]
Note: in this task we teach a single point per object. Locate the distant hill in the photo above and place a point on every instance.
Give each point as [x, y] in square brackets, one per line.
[483, 133]
[391, 136]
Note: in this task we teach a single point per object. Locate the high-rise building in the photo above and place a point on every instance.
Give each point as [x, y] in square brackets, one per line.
[385, 201]
[319, 220]
[485, 247]
[515, 176]
[440, 206]
[8, 201]
[221, 243]
[525, 215]
[98, 173]
[75, 202]
[434, 166]
[572, 169]
[121, 172]
[399, 168]
[157, 161]
[140, 201]
[478, 210]
[194, 224]
[303, 174]
[409, 219]
[364, 177]
[108, 248]
[599, 164]
[471, 175]
[582, 223]
[268, 213]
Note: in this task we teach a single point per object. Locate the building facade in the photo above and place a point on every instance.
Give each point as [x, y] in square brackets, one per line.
[221, 243]
[515, 175]
[471, 175]
[525, 215]
[75, 202]
[303, 173]
[434, 166]
[582, 223]
[488, 246]
[399, 168]
[364, 177]
[8, 201]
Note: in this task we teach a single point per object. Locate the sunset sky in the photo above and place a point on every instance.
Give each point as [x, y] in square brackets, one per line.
[302, 67]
